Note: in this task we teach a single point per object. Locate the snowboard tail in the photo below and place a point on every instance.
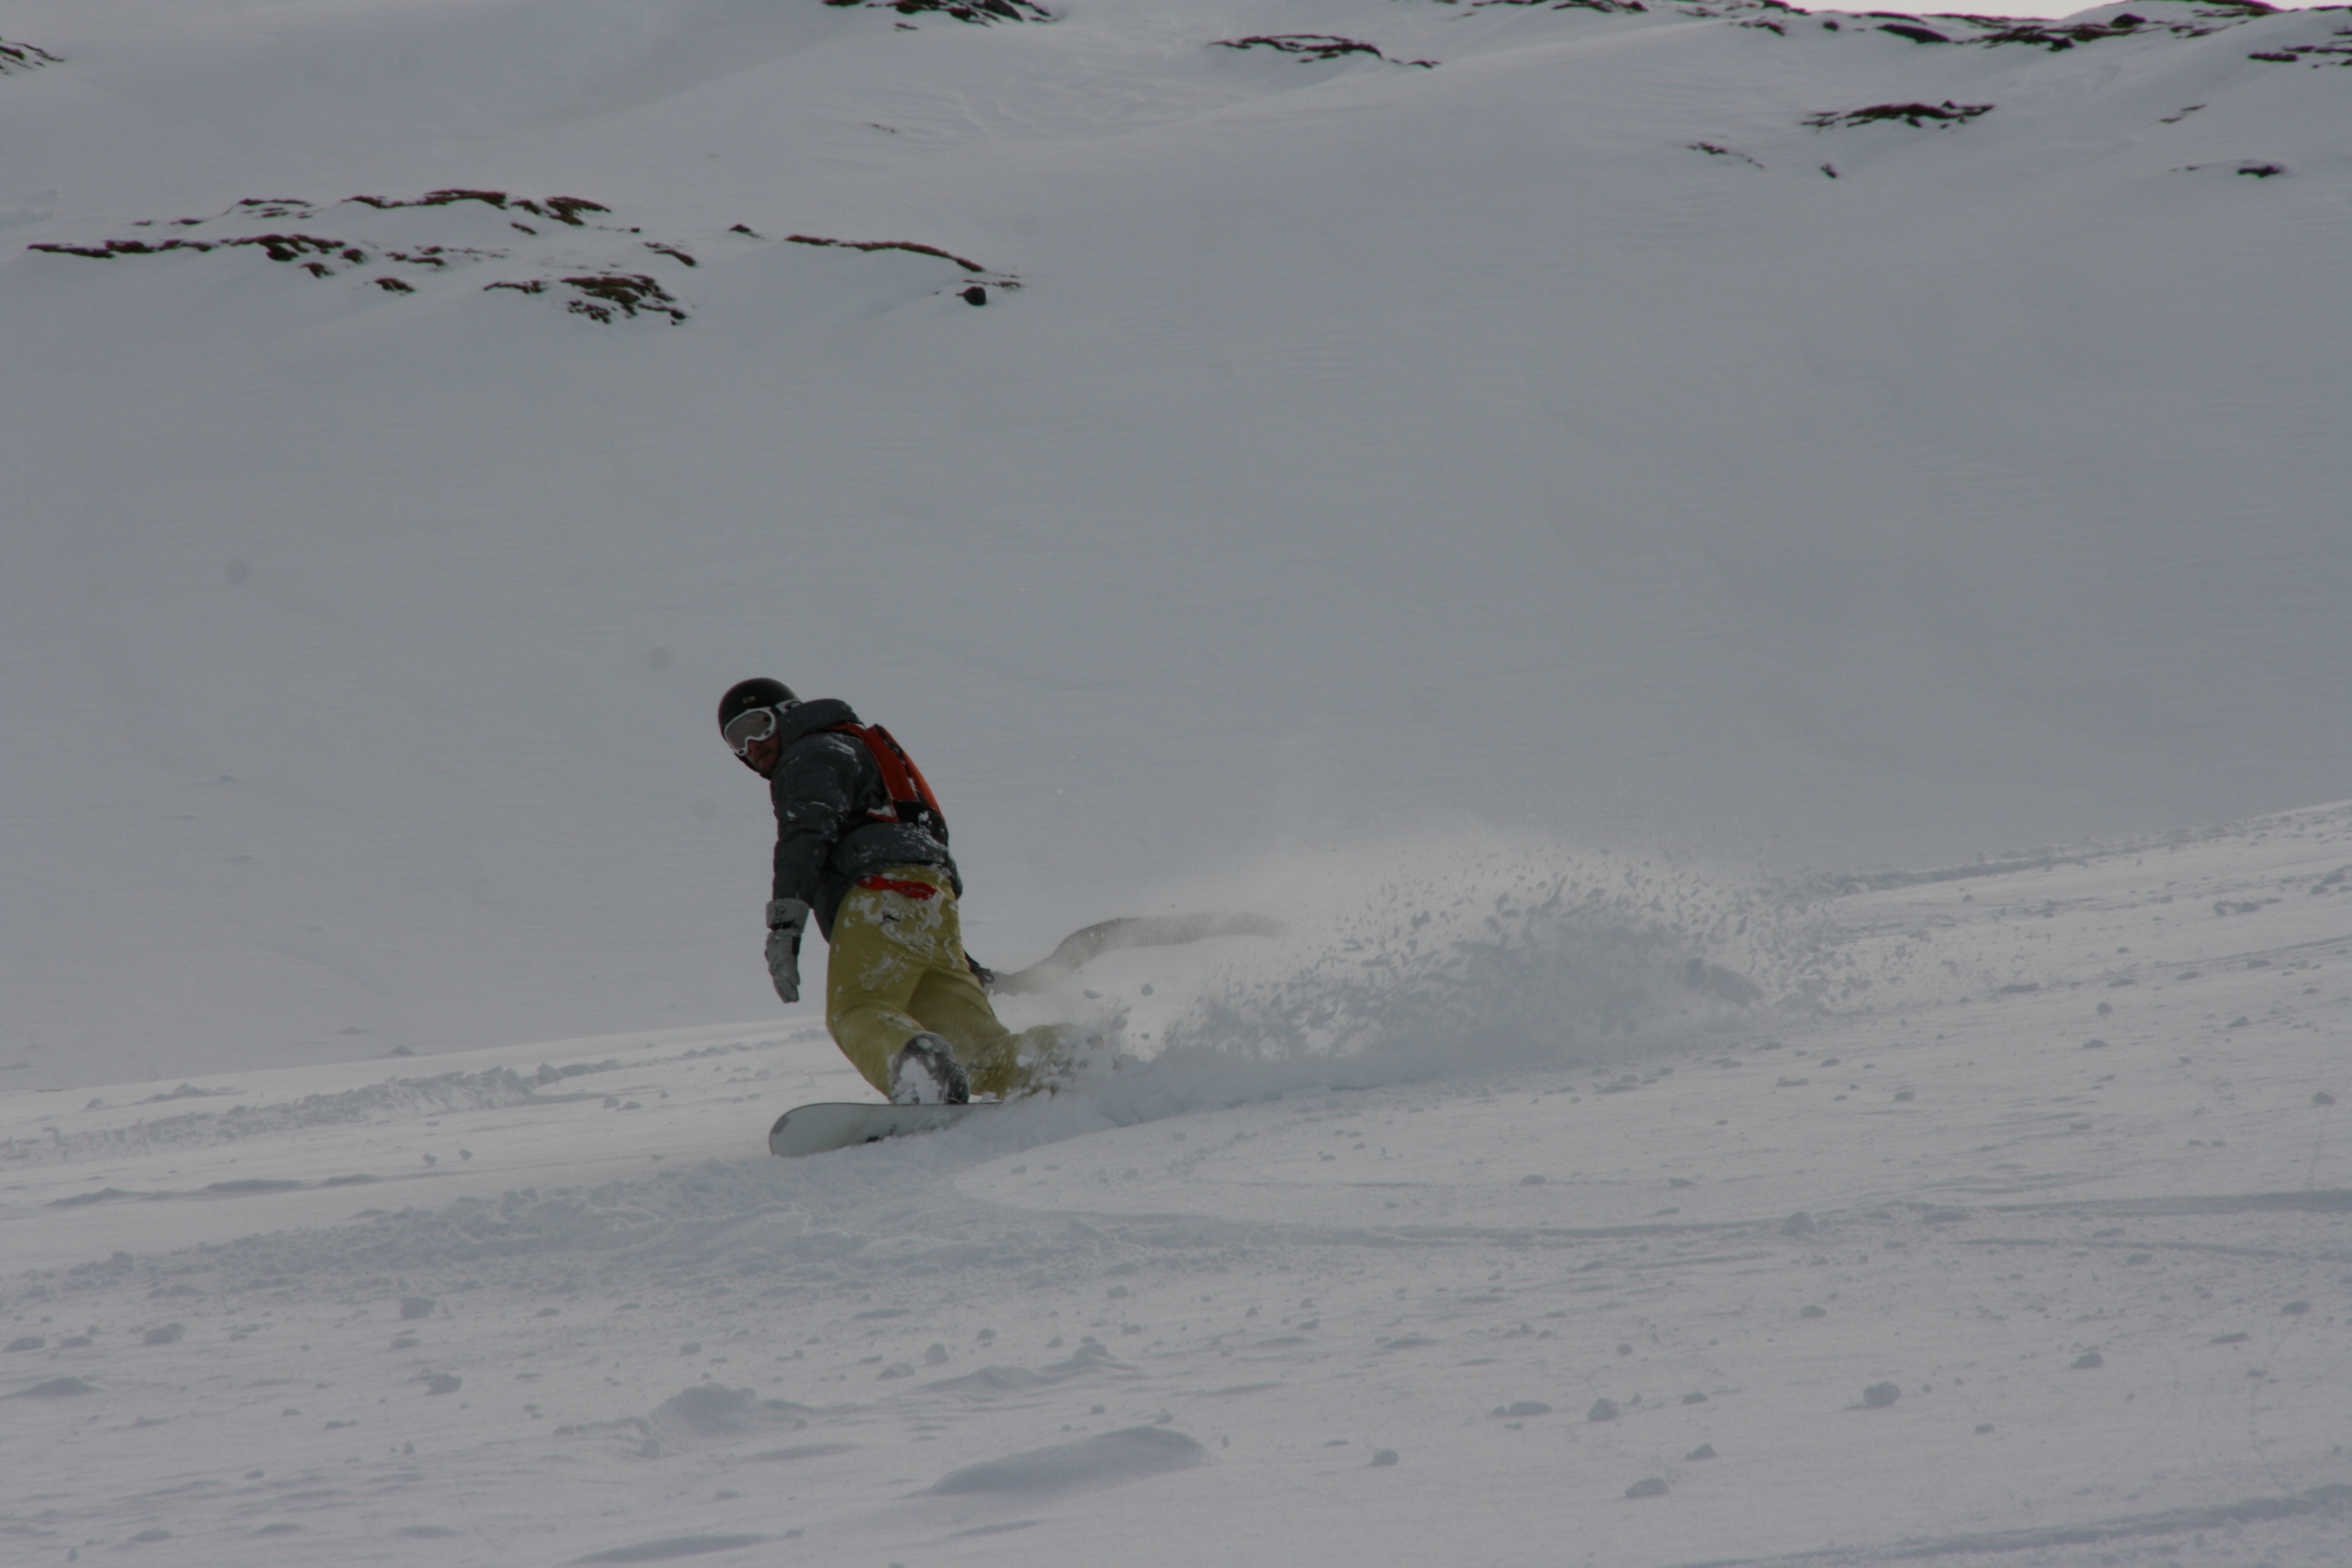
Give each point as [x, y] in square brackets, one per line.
[844, 1124]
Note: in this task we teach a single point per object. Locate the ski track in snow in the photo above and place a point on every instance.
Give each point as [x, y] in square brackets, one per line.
[2010, 1225]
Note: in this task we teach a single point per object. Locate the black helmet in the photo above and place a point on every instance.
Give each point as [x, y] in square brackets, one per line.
[758, 692]
[748, 714]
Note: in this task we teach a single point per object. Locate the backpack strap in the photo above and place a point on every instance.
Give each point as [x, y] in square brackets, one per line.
[911, 800]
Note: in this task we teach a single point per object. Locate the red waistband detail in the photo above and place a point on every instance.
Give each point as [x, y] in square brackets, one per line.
[893, 885]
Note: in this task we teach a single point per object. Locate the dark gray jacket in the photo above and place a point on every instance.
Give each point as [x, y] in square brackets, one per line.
[826, 788]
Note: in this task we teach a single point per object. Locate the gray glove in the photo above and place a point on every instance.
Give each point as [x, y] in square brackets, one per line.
[787, 917]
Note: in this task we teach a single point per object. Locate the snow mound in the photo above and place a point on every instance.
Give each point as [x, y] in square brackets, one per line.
[1106, 1459]
[710, 1412]
[991, 1380]
[670, 1546]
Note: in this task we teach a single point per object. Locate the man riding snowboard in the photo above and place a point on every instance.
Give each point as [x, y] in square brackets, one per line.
[861, 844]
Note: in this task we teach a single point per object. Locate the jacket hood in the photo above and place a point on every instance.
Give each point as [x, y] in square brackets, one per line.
[823, 713]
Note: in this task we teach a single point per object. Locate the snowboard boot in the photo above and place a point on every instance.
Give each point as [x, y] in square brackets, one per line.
[925, 1072]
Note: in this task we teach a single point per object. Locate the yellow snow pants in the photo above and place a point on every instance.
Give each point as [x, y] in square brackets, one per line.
[897, 969]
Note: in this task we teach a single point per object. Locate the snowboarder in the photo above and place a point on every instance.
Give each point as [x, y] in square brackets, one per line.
[862, 846]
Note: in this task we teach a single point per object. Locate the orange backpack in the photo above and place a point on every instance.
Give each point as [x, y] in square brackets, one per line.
[911, 800]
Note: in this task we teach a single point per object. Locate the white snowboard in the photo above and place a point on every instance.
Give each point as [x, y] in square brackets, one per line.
[844, 1124]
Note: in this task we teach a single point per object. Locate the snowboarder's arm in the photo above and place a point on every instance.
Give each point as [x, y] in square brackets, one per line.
[813, 788]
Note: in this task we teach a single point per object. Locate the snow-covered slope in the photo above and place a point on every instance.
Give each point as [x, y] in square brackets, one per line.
[1509, 420]
[2010, 1229]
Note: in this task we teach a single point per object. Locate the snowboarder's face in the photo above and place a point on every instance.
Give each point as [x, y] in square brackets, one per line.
[762, 754]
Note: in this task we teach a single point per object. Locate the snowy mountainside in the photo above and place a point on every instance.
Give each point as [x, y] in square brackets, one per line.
[2023, 1245]
[1550, 500]
[1540, 438]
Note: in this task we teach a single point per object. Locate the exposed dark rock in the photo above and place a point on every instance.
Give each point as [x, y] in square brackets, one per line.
[885, 245]
[2307, 53]
[25, 56]
[1314, 46]
[980, 13]
[1553, 5]
[627, 292]
[1919, 116]
[1715, 151]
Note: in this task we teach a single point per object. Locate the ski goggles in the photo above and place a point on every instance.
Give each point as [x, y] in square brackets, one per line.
[751, 727]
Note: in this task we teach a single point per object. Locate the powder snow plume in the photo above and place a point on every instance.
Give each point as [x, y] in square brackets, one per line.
[1448, 956]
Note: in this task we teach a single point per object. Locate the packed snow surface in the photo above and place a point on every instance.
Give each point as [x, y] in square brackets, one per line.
[1203, 430]
[2006, 1224]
